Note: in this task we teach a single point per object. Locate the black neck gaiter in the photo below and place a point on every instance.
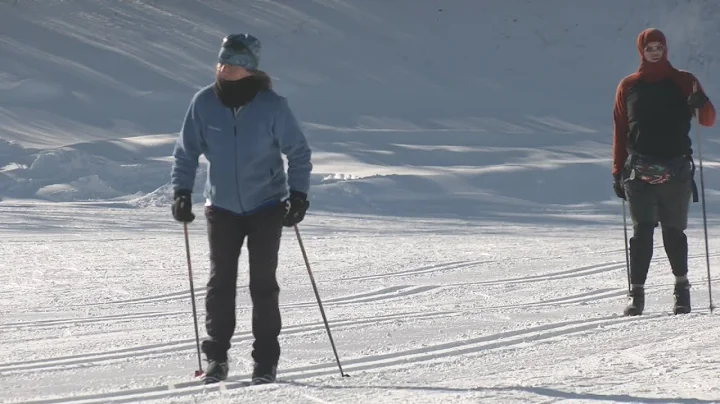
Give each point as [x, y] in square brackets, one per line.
[237, 93]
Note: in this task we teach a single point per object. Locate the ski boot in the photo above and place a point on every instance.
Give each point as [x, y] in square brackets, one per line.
[264, 374]
[217, 371]
[681, 296]
[636, 301]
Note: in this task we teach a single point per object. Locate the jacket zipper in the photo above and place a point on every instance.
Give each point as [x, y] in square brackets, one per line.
[237, 180]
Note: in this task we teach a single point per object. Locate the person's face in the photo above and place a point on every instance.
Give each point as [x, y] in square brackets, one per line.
[654, 51]
[231, 72]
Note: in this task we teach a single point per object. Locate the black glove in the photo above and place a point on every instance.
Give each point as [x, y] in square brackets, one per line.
[295, 206]
[697, 100]
[182, 206]
[618, 187]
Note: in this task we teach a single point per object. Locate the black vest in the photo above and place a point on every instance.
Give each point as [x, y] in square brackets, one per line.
[659, 120]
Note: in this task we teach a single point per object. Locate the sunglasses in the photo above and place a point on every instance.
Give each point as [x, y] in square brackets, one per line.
[658, 48]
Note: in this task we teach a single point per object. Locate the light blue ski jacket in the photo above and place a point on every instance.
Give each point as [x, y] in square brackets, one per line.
[244, 151]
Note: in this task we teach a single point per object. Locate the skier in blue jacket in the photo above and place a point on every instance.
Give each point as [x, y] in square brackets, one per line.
[242, 127]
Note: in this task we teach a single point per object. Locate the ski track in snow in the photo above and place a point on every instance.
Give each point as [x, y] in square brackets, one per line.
[463, 330]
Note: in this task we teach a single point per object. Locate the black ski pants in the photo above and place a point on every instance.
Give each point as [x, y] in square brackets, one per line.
[650, 204]
[226, 233]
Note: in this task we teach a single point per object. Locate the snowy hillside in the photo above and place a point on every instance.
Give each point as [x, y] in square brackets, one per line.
[463, 230]
[468, 106]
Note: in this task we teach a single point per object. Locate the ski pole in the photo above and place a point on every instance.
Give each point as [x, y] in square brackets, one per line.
[698, 140]
[317, 295]
[627, 253]
[199, 370]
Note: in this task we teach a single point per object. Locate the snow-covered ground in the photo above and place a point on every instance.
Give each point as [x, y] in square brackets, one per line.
[472, 108]
[96, 309]
[463, 231]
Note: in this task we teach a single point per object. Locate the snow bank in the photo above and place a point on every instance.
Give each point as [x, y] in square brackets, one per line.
[119, 169]
[162, 196]
[457, 108]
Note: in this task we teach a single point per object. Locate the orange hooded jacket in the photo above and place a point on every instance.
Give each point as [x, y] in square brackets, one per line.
[650, 72]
